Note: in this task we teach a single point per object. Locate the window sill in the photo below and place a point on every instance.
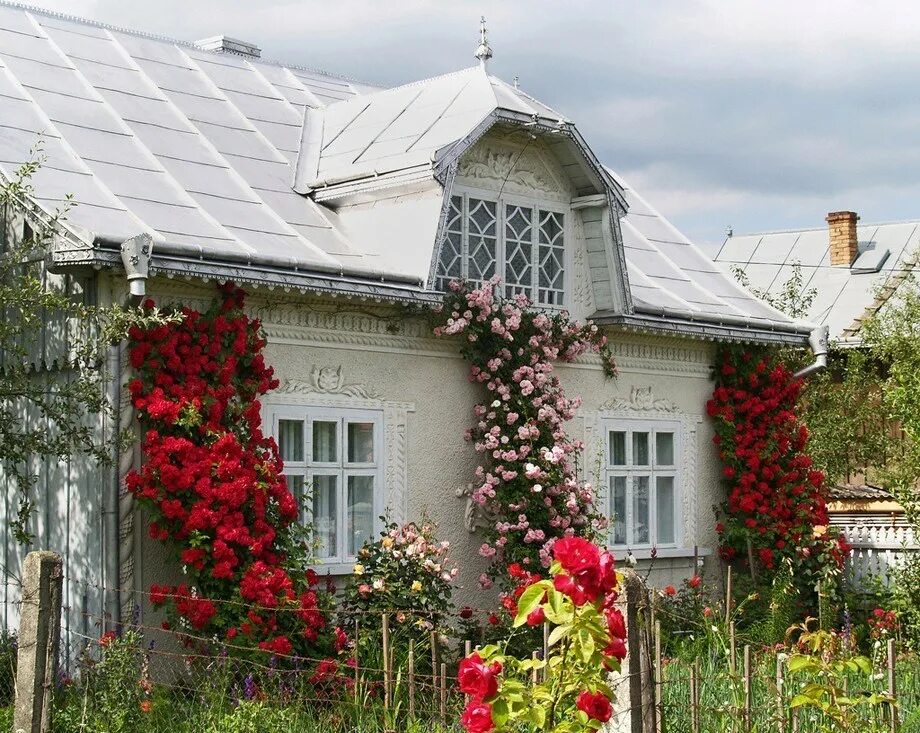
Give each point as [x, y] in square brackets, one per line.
[645, 553]
[335, 569]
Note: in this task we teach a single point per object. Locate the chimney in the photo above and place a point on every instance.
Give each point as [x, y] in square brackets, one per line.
[841, 226]
[225, 44]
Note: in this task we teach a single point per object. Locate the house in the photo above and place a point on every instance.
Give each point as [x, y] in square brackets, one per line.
[334, 203]
[849, 270]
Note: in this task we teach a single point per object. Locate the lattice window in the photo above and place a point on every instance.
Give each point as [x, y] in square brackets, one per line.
[550, 258]
[450, 266]
[518, 251]
[526, 247]
[482, 239]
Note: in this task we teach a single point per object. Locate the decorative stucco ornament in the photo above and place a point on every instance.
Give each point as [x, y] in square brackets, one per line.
[328, 380]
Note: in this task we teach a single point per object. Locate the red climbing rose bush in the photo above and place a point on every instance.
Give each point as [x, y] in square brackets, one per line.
[212, 484]
[776, 499]
[569, 690]
[528, 485]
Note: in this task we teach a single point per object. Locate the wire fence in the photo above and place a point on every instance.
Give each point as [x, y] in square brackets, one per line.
[398, 674]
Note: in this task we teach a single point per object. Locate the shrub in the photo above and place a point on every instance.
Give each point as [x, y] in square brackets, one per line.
[571, 692]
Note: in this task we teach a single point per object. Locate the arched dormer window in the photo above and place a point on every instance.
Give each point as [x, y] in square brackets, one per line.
[520, 240]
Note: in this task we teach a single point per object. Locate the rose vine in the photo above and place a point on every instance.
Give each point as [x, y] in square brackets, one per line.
[212, 484]
[529, 486]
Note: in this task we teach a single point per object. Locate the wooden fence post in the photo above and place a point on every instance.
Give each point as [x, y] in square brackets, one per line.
[695, 696]
[780, 681]
[748, 684]
[892, 689]
[411, 679]
[39, 634]
[656, 676]
[385, 620]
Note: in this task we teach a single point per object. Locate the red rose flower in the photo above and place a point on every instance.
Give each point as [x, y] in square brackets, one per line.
[536, 617]
[476, 679]
[477, 718]
[670, 590]
[695, 581]
[595, 705]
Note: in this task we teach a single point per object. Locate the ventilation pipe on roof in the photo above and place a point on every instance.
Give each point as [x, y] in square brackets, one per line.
[818, 341]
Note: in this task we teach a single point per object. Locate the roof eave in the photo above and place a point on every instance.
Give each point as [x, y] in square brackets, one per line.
[710, 329]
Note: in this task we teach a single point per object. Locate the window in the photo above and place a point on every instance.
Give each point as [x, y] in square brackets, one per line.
[334, 457]
[523, 244]
[642, 482]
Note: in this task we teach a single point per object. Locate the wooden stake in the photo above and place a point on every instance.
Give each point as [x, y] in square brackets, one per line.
[545, 640]
[696, 559]
[657, 677]
[747, 688]
[695, 696]
[780, 705]
[443, 694]
[892, 689]
[357, 662]
[434, 660]
[385, 620]
[733, 649]
[534, 672]
[411, 679]
[467, 648]
[728, 595]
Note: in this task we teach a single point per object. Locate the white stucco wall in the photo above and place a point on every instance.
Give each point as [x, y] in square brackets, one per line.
[387, 359]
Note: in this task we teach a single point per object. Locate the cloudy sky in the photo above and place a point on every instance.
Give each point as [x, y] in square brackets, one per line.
[743, 113]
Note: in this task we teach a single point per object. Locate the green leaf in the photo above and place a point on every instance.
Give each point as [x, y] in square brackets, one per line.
[558, 633]
[529, 601]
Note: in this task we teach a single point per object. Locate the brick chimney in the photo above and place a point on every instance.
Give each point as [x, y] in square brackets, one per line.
[841, 226]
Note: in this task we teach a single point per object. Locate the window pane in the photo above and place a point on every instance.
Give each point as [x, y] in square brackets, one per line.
[518, 250]
[664, 507]
[451, 262]
[325, 449]
[640, 449]
[617, 448]
[324, 514]
[295, 486]
[640, 507]
[290, 440]
[550, 257]
[618, 509]
[664, 449]
[482, 239]
[360, 442]
[360, 512]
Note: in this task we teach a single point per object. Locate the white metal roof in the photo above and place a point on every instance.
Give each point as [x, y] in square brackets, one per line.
[842, 294]
[199, 149]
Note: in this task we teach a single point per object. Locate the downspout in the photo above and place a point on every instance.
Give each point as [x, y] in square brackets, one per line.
[135, 255]
[818, 341]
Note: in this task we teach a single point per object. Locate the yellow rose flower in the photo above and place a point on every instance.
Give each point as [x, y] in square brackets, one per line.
[387, 542]
[359, 569]
[416, 586]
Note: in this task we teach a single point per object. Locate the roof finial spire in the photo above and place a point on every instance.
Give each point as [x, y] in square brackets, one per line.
[484, 52]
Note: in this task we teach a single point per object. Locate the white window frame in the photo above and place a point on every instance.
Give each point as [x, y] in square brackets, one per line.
[341, 561]
[501, 203]
[631, 471]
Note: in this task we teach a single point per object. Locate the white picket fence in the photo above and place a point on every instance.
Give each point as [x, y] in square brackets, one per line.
[877, 548]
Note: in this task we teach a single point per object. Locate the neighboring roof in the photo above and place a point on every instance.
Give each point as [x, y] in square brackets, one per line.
[863, 492]
[198, 149]
[670, 276]
[843, 294]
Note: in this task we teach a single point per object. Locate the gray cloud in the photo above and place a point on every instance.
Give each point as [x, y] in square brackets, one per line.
[759, 115]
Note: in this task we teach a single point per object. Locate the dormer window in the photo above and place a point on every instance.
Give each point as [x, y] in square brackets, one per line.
[522, 242]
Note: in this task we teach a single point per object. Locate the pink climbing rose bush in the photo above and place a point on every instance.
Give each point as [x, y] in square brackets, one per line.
[528, 485]
[569, 691]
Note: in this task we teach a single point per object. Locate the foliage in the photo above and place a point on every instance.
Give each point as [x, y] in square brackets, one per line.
[793, 298]
[821, 672]
[529, 485]
[586, 642]
[114, 690]
[213, 486]
[776, 506]
[905, 599]
[9, 650]
[66, 383]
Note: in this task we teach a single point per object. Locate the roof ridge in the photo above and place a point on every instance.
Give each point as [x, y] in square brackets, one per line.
[802, 230]
[408, 84]
[167, 39]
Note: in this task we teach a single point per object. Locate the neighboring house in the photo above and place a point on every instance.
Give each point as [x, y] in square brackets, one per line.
[334, 203]
[851, 270]
[876, 528]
